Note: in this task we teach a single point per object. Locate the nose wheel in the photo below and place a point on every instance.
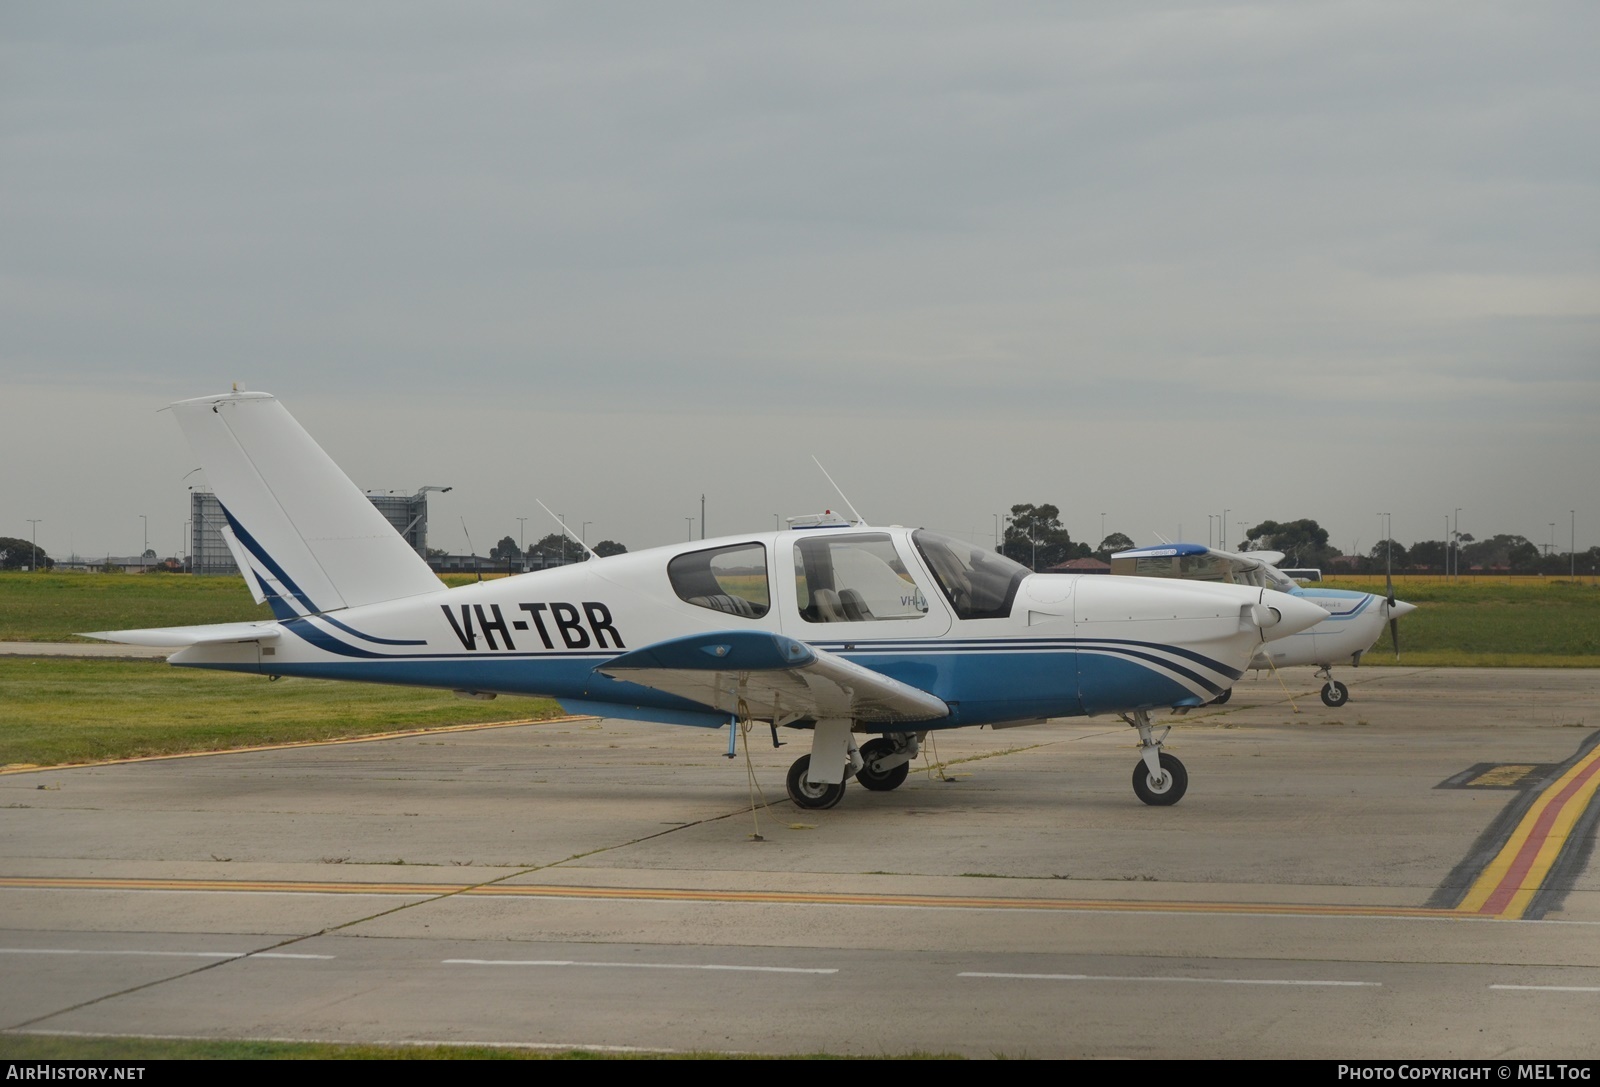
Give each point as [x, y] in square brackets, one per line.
[1334, 693]
[1164, 790]
[1159, 779]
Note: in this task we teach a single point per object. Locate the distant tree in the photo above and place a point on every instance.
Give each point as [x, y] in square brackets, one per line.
[609, 547]
[1496, 551]
[1036, 538]
[1524, 558]
[1427, 553]
[15, 554]
[506, 549]
[1111, 545]
[1303, 542]
[553, 548]
[1381, 554]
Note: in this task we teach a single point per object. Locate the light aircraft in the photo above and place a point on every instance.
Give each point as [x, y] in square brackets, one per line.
[830, 626]
[1352, 626]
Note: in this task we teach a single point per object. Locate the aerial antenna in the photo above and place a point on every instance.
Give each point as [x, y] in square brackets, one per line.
[576, 538]
[859, 519]
[1162, 538]
[470, 549]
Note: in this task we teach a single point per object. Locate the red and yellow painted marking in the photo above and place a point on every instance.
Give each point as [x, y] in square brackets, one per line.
[1508, 883]
[659, 894]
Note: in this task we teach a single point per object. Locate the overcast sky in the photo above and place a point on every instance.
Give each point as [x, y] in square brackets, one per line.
[1145, 260]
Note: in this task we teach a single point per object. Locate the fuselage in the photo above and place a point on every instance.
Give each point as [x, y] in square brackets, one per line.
[1354, 622]
[994, 642]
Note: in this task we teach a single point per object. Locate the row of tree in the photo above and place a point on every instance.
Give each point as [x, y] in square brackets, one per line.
[1035, 537]
[551, 549]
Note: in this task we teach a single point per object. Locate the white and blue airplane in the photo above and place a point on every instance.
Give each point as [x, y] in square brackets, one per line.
[1352, 625]
[833, 627]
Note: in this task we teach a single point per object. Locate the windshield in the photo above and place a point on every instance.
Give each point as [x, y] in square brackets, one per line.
[980, 584]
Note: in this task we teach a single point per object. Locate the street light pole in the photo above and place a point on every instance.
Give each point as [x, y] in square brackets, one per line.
[1572, 548]
[1456, 533]
[146, 521]
[691, 526]
[34, 521]
[522, 534]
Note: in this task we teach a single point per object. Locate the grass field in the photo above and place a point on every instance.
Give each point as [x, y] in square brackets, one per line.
[65, 710]
[57, 607]
[1491, 622]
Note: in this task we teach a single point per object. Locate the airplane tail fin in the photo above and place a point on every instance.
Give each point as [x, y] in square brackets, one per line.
[305, 537]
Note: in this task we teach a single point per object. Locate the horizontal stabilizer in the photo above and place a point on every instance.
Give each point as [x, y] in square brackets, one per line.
[212, 634]
[777, 678]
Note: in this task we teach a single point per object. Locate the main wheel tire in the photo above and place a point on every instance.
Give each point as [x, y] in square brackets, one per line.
[889, 779]
[1163, 793]
[1222, 698]
[807, 793]
[1335, 694]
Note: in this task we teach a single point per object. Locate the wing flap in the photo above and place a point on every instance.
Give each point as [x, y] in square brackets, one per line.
[777, 678]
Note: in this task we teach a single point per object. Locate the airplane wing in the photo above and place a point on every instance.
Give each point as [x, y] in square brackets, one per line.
[778, 678]
[1198, 563]
[211, 634]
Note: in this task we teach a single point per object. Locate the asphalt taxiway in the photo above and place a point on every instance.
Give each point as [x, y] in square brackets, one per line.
[1406, 876]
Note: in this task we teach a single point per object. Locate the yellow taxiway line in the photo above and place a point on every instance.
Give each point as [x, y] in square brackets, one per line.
[657, 894]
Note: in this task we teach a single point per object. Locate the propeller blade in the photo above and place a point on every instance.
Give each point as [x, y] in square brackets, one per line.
[1394, 636]
[1389, 583]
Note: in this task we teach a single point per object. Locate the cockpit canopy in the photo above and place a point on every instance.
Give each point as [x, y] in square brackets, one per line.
[979, 583]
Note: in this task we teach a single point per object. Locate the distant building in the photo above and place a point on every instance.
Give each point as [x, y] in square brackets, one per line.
[1080, 566]
[208, 552]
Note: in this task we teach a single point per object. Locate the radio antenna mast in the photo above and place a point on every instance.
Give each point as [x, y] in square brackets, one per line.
[859, 519]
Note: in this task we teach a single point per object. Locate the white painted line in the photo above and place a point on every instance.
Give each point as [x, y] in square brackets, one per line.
[1550, 988]
[1197, 981]
[638, 965]
[284, 955]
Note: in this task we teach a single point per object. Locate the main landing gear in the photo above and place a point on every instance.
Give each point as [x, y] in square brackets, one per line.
[1334, 693]
[880, 765]
[816, 781]
[1158, 778]
[888, 761]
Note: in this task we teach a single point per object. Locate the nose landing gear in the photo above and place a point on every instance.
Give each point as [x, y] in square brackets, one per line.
[1334, 693]
[1158, 778]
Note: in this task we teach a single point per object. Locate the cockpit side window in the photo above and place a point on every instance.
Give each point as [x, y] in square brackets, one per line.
[979, 584]
[726, 579]
[854, 579]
